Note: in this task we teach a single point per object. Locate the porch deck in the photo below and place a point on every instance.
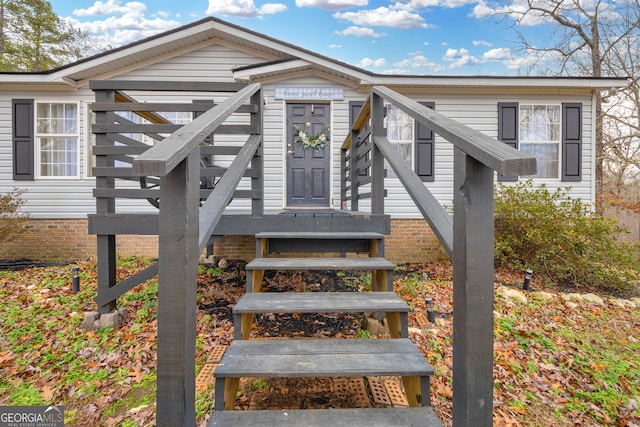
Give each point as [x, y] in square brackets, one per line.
[242, 223]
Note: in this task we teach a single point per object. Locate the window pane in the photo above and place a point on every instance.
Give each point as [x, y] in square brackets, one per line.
[400, 134]
[547, 159]
[58, 156]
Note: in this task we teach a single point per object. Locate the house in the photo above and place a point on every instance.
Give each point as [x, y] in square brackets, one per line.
[46, 137]
[306, 151]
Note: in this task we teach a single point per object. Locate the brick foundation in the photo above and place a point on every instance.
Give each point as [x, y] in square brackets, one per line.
[67, 240]
[411, 240]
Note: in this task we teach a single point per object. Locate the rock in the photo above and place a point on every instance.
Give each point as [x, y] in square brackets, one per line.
[223, 264]
[593, 298]
[94, 320]
[545, 296]
[572, 305]
[90, 322]
[623, 303]
[512, 295]
[415, 331]
[375, 327]
[572, 297]
[122, 314]
[110, 320]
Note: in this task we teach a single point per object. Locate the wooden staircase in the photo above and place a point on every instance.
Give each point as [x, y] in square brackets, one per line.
[323, 358]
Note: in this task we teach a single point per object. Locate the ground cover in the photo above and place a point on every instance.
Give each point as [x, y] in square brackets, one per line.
[560, 358]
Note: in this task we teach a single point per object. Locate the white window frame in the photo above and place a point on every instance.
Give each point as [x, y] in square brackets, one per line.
[397, 142]
[547, 140]
[38, 136]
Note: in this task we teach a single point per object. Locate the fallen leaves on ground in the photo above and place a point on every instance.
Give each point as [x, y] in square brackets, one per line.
[557, 362]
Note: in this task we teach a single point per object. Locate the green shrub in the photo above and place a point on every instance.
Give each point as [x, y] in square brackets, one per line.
[560, 238]
[11, 220]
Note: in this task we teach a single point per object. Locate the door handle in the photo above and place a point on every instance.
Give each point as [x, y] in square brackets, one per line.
[289, 152]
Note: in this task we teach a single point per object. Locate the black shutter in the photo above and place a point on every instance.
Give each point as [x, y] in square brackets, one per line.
[425, 149]
[571, 141]
[23, 139]
[354, 111]
[508, 129]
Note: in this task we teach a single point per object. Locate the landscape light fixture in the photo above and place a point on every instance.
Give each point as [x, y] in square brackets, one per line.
[431, 314]
[528, 275]
[75, 282]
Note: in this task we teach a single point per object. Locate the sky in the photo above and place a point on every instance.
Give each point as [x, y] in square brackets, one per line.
[420, 37]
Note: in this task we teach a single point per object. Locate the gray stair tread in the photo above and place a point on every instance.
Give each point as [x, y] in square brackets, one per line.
[320, 264]
[320, 302]
[319, 235]
[322, 358]
[348, 417]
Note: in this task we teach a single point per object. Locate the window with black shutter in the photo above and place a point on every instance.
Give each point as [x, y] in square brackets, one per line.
[552, 133]
[23, 139]
[425, 149]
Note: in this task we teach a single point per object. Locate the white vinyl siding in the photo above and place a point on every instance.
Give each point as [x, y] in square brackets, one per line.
[64, 198]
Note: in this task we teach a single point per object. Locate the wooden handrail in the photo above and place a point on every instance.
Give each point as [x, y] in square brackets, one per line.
[489, 151]
[440, 221]
[213, 208]
[162, 158]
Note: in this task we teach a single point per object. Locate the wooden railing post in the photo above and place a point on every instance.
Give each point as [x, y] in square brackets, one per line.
[472, 292]
[353, 166]
[377, 160]
[106, 244]
[177, 279]
[257, 162]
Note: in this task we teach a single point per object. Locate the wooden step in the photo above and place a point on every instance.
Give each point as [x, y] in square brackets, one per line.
[322, 302]
[320, 264]
[319, 235]
[381, 269]
[352, 417]
[348, 242]
[323, 358]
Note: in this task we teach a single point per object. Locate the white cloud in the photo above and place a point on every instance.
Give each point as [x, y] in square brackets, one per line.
[418, 60]
[110, 7]
[422, 4]
[498, 54]
[359, 32]
[243, 8]
[460, 57]
[334, 46]
[367, 62]
[331, 4]
[117, 31]
[481, 43]
[383, 16]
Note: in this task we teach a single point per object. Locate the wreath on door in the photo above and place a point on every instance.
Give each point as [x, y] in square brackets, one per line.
[308, 140]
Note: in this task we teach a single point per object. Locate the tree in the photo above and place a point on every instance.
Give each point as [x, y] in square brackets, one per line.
[34, 38]
[590, 38]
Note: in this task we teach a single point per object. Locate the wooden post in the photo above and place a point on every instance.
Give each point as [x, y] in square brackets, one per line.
[377, 160]
[257, 162]
[177, 278]
[106, 244]
[353, 165]
[472, 292]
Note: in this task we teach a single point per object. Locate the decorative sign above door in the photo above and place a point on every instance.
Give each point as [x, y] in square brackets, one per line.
[310, 93]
